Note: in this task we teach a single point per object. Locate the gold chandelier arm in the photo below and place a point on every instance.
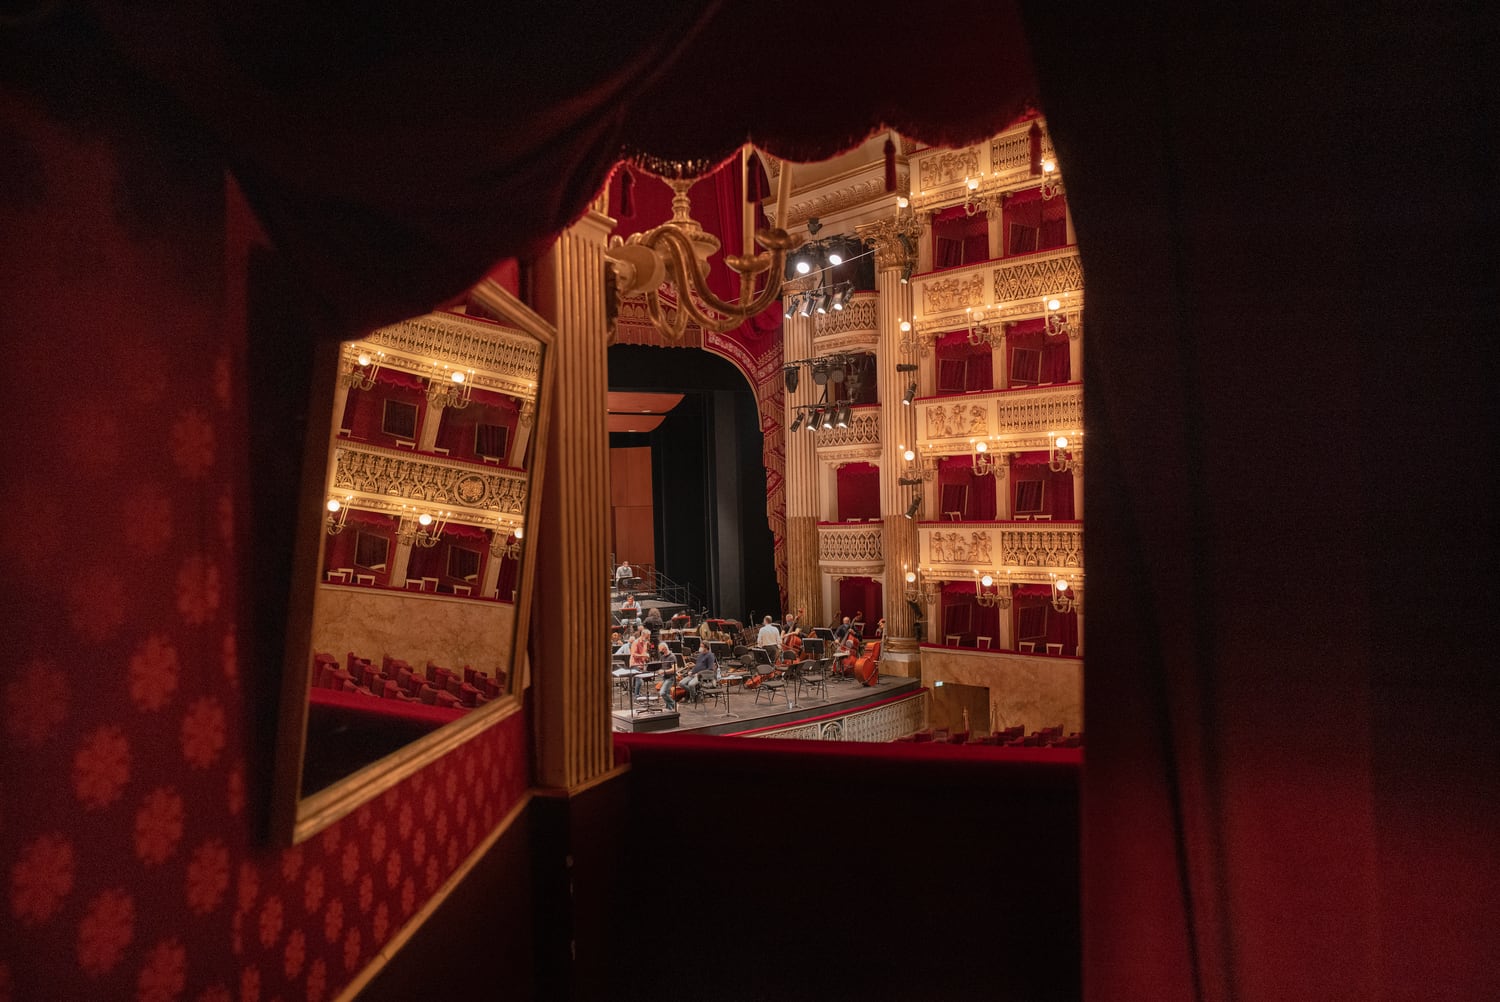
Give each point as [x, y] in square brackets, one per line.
[673, 328]
[684, 265]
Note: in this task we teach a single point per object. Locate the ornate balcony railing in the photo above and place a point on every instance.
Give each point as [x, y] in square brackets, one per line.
[1013, 287]
[861, 440]
[385, 479]
[1008, 420]
[850, 546]
[854, 328]
[885, 722]
[1030, 552]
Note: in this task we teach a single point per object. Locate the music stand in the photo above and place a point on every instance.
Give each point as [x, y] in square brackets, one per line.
[823, 633]
[813, 647]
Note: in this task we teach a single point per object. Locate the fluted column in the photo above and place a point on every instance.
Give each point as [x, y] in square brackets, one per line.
[570, 684]
[894, 241]
[802, 584]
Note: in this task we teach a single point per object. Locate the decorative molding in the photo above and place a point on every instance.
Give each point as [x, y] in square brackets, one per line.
[384, 478]
[946, 167]
[943, 295]
[847, 543]
[504, 359]
[963, 418]
[1013, 420]
[859, 316]
[846, 197]
[1010, 152]
[1037, 276]
[864, 429]
[882, 723]
[1028, 552]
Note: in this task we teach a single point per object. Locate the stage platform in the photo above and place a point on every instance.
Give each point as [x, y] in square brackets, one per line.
[749, 715]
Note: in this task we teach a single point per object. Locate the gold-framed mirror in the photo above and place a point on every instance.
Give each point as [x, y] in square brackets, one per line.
[411, 588]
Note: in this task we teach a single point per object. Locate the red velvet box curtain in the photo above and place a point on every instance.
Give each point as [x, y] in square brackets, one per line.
[1057, 488]
[959, 238]
[456, 431]
[1032, 612]
[1030, 223]
[978, 504]
[858, 491]
[861, 595]
[1030, 335]
[963, 366]
[965, 617]
[340, 549]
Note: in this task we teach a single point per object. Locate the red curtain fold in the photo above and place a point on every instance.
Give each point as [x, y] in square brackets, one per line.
[1055, 364]
[858, 491]
[861, 595]
[467, 533]
[401, 379]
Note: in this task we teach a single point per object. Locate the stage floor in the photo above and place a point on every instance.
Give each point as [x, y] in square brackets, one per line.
[749, 715]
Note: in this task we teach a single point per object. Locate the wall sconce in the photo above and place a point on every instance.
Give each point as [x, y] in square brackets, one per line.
[981, 330]
[999, 598]
[421, 530]
[916, 473]
[1062, 457]
[985, 464]
[364, 365]
[1066, 598]
[1051, 180]
[1057, 321]
[506, 546]
[338, 514]
[919, 589]
[910, 343]
[449, 388]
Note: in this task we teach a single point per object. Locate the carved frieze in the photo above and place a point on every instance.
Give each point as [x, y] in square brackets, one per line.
[417, 479]
[945, 295]
[960, 419]
[858, 316]
[504, 359]
[954, 546]
[864, 429]
[895, 240]
[846, 196]
[946, 167]
[1059, 546]
[1036, 277]
[849, 544]
[1027, 553]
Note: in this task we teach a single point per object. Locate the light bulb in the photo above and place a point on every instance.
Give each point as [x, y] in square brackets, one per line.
[517, 533]
[902, 202]
[986, 580]
[1053, 304]
[1062, 441]
[458, 377]
[364, 359]
[1048, 166]
[333, 504]
[1062, 586]
[911, 577]
[424, 519]
[981, 447]
[908, 455]
[803, 267]
[973, 184]
[905, 326]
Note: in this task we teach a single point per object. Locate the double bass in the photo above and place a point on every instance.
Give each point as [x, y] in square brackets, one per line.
[867, 668]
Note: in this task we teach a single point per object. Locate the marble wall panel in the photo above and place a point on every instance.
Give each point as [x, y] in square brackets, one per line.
[412, 626]
[1036, 692]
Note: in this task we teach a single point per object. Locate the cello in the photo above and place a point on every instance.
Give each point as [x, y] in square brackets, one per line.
[867, 668]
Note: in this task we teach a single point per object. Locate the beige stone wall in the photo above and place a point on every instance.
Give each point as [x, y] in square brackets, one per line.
[1036, 692]
[414, 627]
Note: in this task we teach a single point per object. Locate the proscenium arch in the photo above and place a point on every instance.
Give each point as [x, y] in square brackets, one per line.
[738, 506]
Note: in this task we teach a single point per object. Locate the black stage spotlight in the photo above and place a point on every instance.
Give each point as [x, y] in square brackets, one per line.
[813, 226]
[796, 422]
[817, 415]
[907, 367]
[837, 371]
[804, 309]
[916, 503]
[911, 392]
[820, 374]
[906, 274]
[791, 374]
[823, 300]
[791, 306]
[843, 419]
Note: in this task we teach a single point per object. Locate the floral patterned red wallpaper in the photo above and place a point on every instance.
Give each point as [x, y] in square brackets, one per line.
[131, 867]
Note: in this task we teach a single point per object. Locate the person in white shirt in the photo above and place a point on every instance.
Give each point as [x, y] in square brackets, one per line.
[770, 638]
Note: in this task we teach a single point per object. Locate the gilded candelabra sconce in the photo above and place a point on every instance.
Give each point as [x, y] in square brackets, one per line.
[999, 597]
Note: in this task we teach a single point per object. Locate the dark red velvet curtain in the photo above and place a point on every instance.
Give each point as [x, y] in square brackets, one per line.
[963, 366]
[861, 595]
[959, 238]
[1057, 488]
[456, 427]
[858, 491]
[1030, 223]
[1030, 335]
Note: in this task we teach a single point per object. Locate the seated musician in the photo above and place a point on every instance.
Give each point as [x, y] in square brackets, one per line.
[846, 652]
[669, 677]
[792, 651]
[705, 666]
[630, 609]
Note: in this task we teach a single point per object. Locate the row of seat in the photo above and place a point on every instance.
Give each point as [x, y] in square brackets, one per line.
[1012, 737]
[396, 679]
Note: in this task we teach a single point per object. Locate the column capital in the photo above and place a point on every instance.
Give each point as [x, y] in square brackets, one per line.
[894, 240]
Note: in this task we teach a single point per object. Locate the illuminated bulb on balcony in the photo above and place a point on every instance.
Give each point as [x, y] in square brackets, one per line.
[517, 534]
[333, 504]
[1062, 441]
[424, 519]
[1053, 304]
[364, 359]
[803, 267]
[902, 201]
[1061, 587]
[1048, 166]
[981, 447]
[973, 184]
[908, 455]
[905, 326]
[987, 580]
[911, 577]
[457, 377]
